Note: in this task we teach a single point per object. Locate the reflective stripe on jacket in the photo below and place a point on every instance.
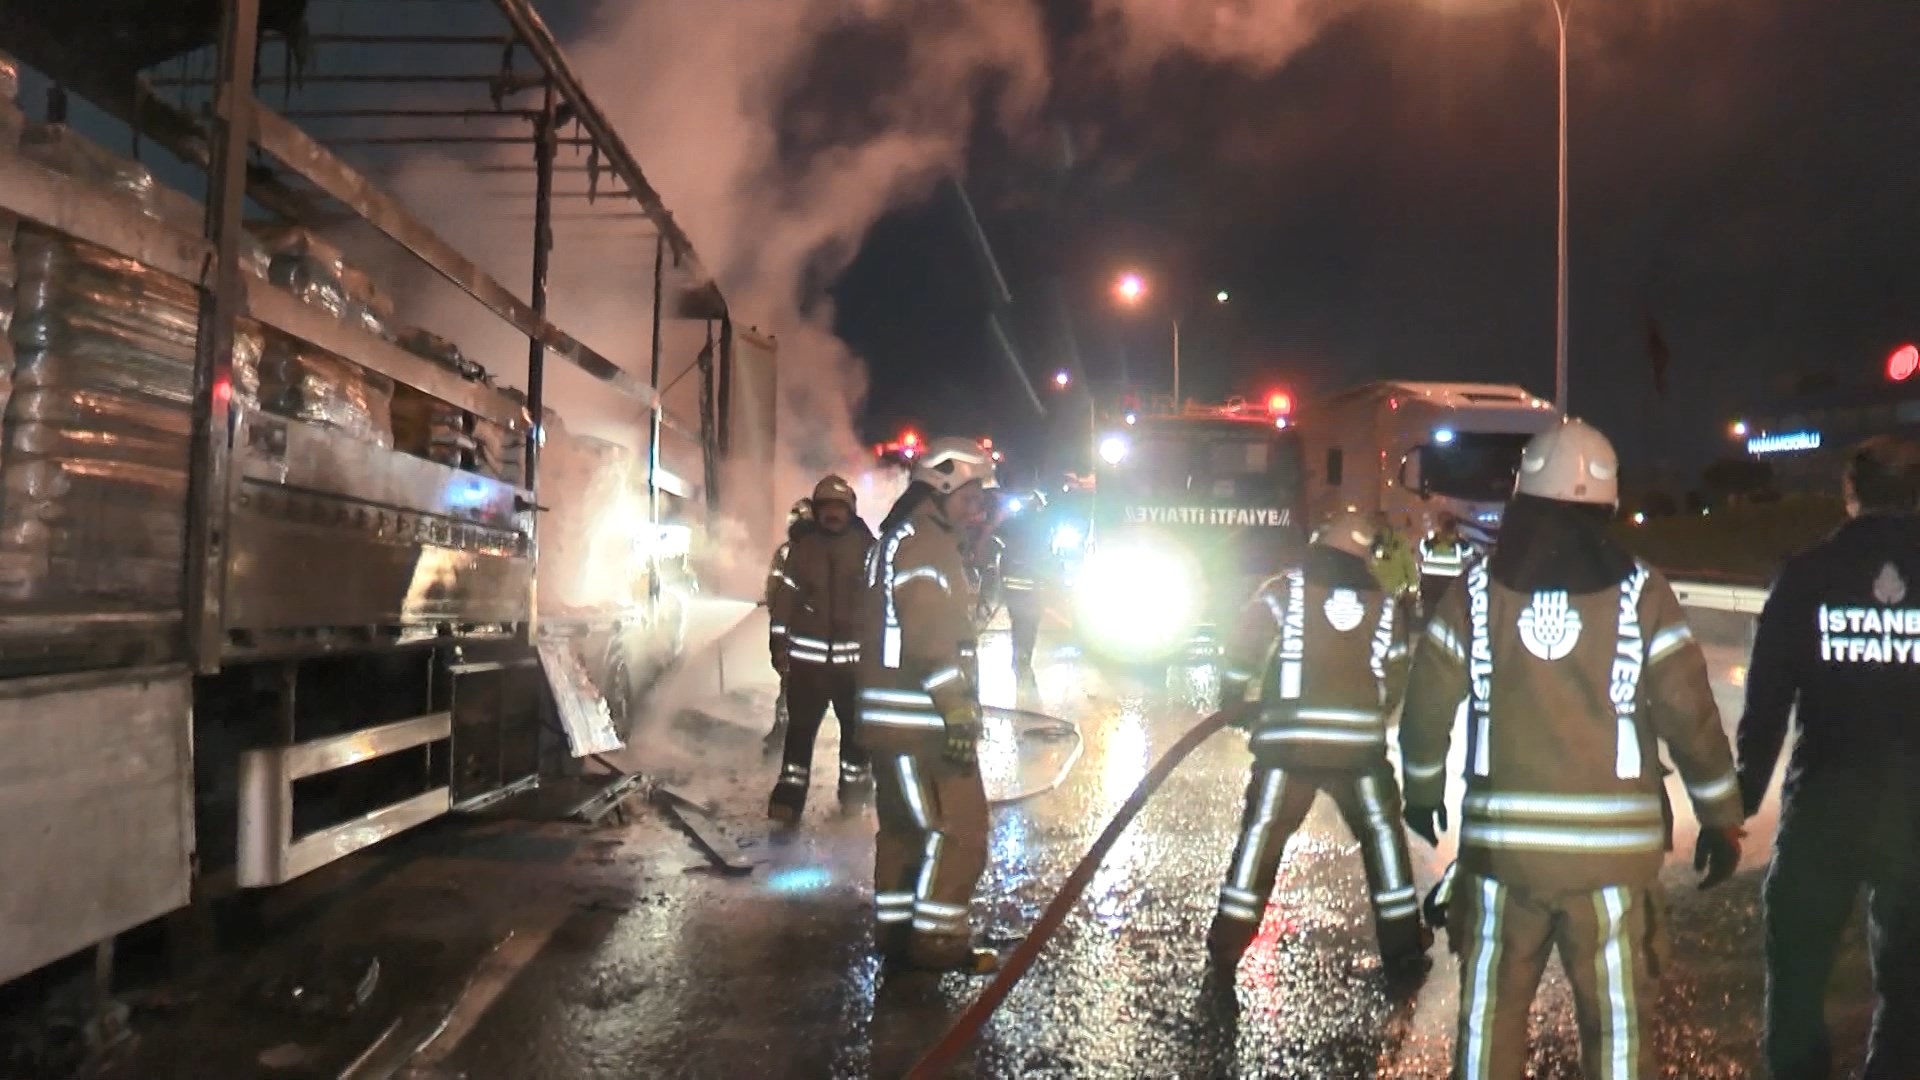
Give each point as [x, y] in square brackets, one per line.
[817, 604]
[917, 645]
[1321, 663]
[1568, 697]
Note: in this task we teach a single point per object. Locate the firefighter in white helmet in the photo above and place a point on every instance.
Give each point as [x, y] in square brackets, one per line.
[1575, 664]
[819, 603]
[1308, 672]
[920, 714]
[799, 521]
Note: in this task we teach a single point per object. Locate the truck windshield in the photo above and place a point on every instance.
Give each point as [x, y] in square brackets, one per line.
[1229, 463]
[1475, 466]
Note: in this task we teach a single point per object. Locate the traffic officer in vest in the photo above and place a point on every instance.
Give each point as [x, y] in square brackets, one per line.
[819, 605]
[799, 519]
[1307, 672]
[1838, 646]
[1023, 565]
[920, 711]
[1575, 663]
[1443, 557]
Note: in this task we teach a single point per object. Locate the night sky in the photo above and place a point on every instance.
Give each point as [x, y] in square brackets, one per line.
[1743, 173]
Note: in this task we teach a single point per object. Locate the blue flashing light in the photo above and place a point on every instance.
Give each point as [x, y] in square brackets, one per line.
[1443, 436]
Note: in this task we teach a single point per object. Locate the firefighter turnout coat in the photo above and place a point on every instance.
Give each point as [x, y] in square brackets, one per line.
[918, 669]
[1568, 695]
[1313, 656]
[816, 602]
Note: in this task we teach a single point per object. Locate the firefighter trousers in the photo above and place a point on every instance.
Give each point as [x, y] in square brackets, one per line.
[810, 689]
[928, 856]
[1023, 612]
[1830, 848]
[1277, 802]
[1609, 943]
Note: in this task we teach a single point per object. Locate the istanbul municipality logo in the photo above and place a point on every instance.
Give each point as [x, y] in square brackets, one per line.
[1548, 627]
[1889, 587]
[1344, 610]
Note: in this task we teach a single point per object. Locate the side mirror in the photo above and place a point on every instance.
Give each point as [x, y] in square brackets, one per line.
[1410, 477]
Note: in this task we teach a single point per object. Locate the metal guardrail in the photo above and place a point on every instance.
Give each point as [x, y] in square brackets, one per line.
[1708, 596]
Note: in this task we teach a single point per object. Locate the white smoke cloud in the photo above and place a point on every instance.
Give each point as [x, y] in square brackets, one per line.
[1259, 36]
[702, 97]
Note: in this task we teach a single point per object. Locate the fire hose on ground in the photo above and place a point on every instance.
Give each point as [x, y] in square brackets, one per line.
[937, 1059]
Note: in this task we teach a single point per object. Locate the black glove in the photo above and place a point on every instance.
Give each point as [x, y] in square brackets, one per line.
[962, 745]
[1717, 854]
[1427, 822]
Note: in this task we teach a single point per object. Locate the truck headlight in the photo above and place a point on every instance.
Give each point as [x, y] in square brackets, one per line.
[1137, 600]
[1066, 538]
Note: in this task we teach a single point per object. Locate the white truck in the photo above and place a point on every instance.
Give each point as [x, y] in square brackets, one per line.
[1417, 450]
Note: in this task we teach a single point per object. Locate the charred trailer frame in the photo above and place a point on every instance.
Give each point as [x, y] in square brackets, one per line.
[357, 646]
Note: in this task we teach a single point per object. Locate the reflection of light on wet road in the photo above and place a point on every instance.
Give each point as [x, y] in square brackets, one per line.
[1123, 753]
[800, 879]
[999, 752]
[997, 683]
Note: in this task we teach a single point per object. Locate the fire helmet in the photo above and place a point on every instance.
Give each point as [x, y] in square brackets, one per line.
[833, 488]
[951, 464]
[802, 510]
[1570, 463]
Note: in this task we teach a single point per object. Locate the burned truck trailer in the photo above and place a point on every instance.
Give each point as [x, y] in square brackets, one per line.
[280, 575]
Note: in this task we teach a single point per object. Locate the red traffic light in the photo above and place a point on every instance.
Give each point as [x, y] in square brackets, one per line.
[1902, 364]
[1279, 403]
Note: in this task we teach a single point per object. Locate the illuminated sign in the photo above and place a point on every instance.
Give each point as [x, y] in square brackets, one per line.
[1783, 444]
[1205, 515]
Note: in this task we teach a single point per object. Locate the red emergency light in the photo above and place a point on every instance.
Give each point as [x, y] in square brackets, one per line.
[1279, 403]
[1903, 362]
[910, 439]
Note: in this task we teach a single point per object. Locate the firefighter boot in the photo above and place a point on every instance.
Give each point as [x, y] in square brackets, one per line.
[789, 796]
[856, 785]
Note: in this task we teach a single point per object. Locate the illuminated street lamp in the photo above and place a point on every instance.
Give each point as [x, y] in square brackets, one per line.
[1061, 378]
[1131, 290]
[1739, 429]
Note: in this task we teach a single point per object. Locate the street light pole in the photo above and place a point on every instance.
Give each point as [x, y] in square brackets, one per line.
[1560, 9]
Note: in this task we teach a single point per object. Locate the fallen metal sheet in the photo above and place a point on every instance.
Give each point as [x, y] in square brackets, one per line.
[583, 710]
[721, 850]
[611, 798]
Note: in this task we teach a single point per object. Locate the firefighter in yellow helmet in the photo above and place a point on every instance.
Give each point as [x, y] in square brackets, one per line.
[920, 712]
[1308, 672]
[819, 604]
[1575, 663]
[799, 521]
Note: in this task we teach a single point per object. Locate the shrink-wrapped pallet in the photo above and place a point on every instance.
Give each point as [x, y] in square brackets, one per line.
[304, 383]
[93, 480]
[424, 425]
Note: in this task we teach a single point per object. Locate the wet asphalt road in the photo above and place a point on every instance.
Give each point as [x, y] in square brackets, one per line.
[532, 949]
[769, 976]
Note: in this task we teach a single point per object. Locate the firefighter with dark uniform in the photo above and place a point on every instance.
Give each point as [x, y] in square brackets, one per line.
[1838, 646]
[799, 520]
[920, 711]
[1023, 567]
[1574, 662]
[1443, 558]
[819, 605]
[1307, 673]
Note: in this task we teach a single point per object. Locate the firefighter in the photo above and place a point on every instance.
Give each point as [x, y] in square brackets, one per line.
[1443, 556]
[819, 605]
[799, 520]
[1395, 567]
[1308, 672]
[1838, 646]
[920, 707]
[1574, 662]
[1023, 567]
